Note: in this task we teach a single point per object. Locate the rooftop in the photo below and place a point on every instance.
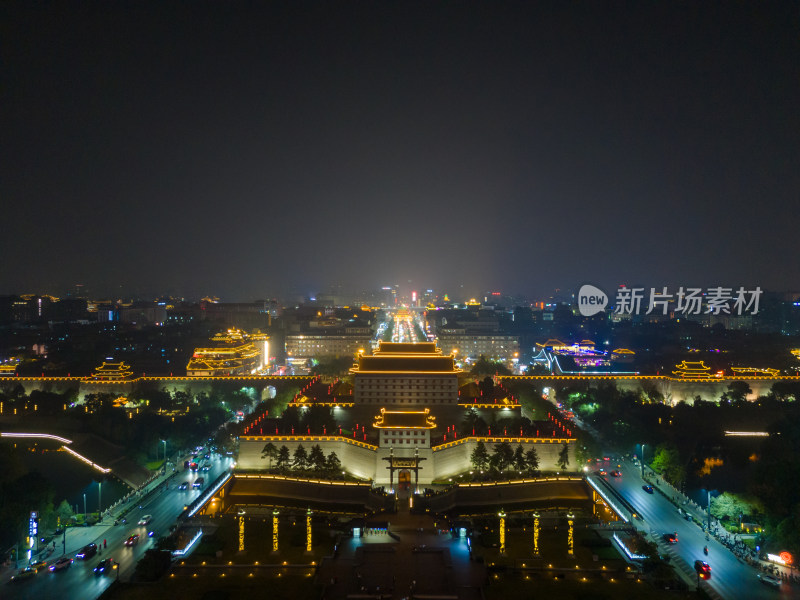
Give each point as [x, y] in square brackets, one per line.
[416, 419]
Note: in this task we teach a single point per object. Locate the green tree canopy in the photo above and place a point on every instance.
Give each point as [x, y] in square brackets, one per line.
[480, 457]
[486, 367]
[667, 462]
[563, 457]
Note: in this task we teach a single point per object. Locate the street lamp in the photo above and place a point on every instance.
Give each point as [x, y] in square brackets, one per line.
[84, 507]
[99, 501]
[642, 461]
[165, 454]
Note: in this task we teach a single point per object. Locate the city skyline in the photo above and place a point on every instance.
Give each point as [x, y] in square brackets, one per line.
[252, 151]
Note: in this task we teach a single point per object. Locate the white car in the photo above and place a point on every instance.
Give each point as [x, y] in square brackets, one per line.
[145, 519]
[769, 580]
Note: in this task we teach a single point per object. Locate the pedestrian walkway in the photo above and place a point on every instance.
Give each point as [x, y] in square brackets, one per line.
[413, 557]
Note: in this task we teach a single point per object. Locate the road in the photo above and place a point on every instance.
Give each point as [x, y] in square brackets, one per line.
[730, 577]
[79, 581]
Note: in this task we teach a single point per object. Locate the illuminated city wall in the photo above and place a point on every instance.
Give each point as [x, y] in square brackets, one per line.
[673, 389]
[454, 459]
[358, 460]
[368, 462]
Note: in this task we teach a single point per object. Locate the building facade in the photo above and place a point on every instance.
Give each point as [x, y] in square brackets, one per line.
[405, 375]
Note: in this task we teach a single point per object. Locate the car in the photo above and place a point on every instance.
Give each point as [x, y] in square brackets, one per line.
[38, 565]
[184, 486]
[23, 575]
[602, 472]
[87, 552]
[702, 568]
[615, 474]
[104, 566]
[198, 482]
[62, 563]
[671, 538]
[769, 580]
[132, 540]
[205, 467]
[648, 488]
[145, 519]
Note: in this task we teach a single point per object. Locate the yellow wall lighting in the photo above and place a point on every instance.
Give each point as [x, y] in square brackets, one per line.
[308, 531]
[241, 534]
[502, 516]
[275, 531]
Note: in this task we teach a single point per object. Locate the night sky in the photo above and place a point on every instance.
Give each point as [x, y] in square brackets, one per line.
[248, 149]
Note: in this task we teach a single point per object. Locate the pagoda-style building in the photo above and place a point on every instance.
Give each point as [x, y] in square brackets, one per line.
[409, 394]
[692, 370]
[405, 428]
[754, 372]
[8, 369]
[112, 371]
[232, 352]
[402, 375]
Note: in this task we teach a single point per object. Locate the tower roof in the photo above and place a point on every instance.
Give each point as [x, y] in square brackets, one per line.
[424, 357]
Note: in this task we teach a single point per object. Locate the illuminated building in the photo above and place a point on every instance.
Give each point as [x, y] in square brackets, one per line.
[233, 352]
[496, 347]
[754, 372]
[405, 428]
[405, 375]
[8, 369]
[317, 345]
[693, 370]
[112, 371]
[406, 385]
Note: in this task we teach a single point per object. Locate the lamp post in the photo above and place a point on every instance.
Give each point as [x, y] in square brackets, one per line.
[84, 507]
[708, 509]
[99, 501]
[642, 461]
[165, 454]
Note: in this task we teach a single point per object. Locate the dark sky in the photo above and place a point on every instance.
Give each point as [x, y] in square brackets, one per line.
[250, 149]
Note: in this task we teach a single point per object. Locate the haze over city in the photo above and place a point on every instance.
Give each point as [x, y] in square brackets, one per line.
[248, 151]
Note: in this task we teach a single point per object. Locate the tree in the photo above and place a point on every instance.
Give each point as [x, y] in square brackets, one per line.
[519, 458]
[532, 461]
[300, 457]
[316, 457]
[563, 457]
[503, 456]
[737, 391]
[483, 366]
[537, 369]
[332, 366]
[734, 507]
[283, 458]
[667, 462]
[270, 452]
[333, 465]
[480, 457]
[63, 512]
